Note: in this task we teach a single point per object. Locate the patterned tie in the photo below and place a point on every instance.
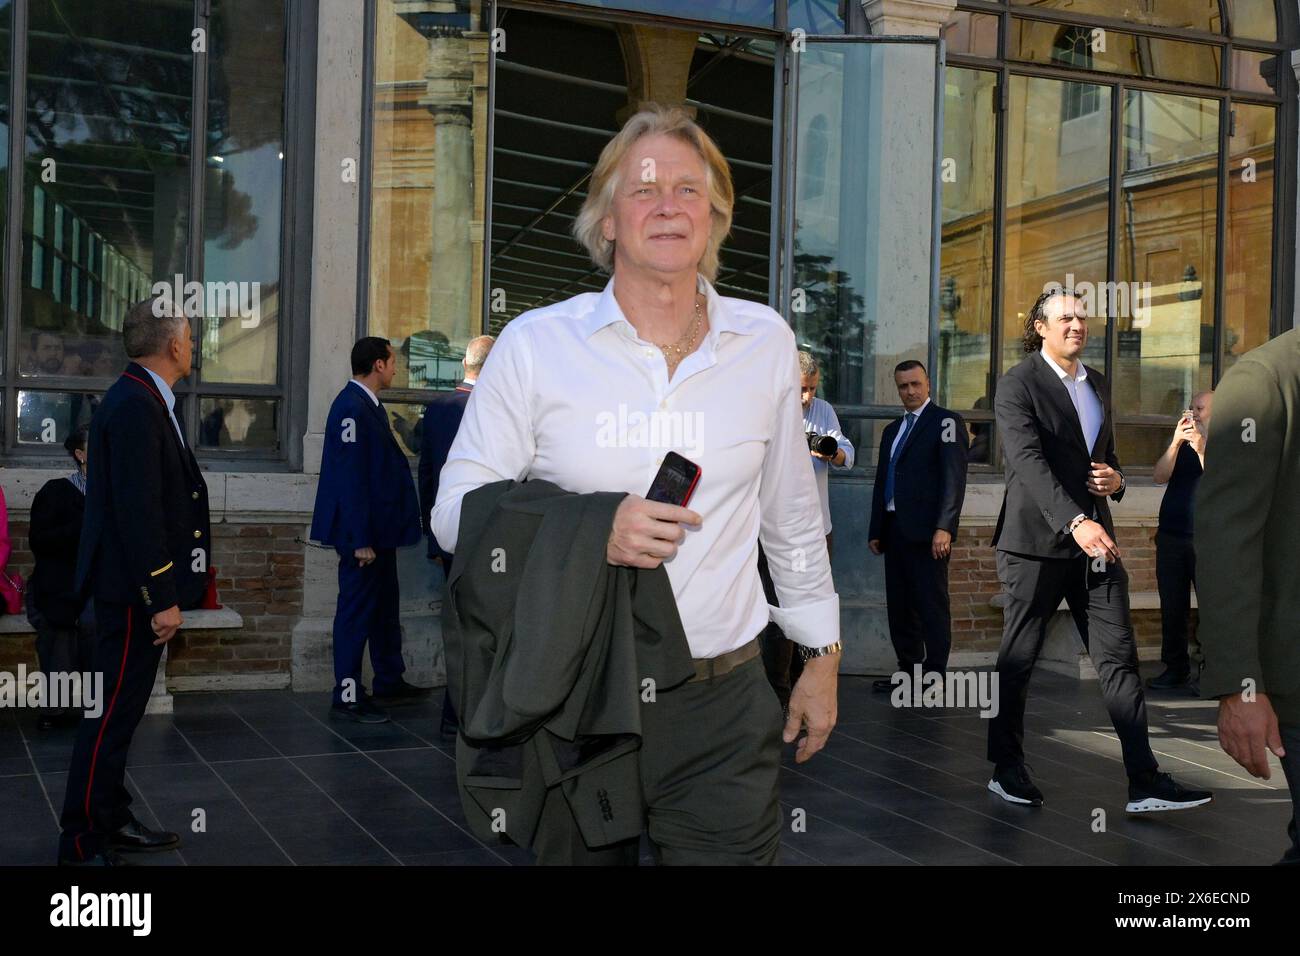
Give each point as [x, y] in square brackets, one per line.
[909, 421]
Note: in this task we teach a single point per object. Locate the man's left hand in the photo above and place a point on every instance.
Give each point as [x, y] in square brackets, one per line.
[1103, 480]
[813, 704]
[941, 545]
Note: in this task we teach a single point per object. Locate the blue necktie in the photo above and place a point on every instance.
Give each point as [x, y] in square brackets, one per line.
[909, 421]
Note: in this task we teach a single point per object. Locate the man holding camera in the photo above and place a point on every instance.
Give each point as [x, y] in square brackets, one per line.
[920, 486]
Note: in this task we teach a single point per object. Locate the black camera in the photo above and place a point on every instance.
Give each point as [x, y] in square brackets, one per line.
[823, 444]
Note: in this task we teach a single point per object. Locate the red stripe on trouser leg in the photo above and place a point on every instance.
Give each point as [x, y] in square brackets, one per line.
[126, 647]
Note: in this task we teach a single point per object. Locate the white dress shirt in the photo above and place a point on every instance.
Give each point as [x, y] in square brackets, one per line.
[893, 449]
[1085, 400]
[571, 394]
[821, 418]
[366, 388]
[169, 399]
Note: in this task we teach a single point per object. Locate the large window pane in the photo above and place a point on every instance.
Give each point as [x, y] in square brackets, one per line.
[238, 424]
[1189, 14]
[1168, 209]
[426, 223]
[862, 242]
[972, 33]
[966, 270]
[1253, 19]
[1057, 188]
[107, 172]
[1248, 258]
[243, 177]
[1110, 51]
[815, 16]
[47, 418]
[759, 13]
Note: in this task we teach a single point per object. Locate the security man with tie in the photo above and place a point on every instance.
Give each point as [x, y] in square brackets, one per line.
[143, 557]
[915, 507]
[366, 509]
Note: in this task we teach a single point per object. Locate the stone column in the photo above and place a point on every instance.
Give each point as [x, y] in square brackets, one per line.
[922, 18]
[336, 223]
[658, 63]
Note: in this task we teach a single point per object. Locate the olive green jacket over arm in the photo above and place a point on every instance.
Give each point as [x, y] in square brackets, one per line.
[1248, 530]
[551, 653]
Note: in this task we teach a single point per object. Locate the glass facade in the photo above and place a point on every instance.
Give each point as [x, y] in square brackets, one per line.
[115, 196]
[1110, 182]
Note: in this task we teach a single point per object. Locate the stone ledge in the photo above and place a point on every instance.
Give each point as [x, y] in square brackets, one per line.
[220, 619]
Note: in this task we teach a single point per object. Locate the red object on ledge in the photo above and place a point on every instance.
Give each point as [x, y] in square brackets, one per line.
[209, 602]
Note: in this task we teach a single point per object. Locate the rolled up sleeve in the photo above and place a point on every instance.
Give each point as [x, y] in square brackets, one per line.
[790, 527]
[495, 440]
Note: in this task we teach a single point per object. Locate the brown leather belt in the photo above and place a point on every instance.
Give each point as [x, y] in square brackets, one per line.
[707, 668]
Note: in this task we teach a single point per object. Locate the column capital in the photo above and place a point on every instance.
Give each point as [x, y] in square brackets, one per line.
[908, 17]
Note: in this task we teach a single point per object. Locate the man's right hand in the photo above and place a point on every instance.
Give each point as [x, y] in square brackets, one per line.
[166, 623]
[364, 556]
[1248, 730]
[646, 533]
[1095, 542]
[874, 545]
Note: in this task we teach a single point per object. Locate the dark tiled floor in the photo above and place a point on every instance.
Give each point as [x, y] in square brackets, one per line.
[265, 778]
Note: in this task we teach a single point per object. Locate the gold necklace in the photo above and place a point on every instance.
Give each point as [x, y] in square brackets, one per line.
[684, 345]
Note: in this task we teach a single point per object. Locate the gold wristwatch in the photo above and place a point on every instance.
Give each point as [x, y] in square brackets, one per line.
[808, 653]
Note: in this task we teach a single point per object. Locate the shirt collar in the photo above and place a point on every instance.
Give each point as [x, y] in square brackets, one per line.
[722, 318]
[1061, 373]
[918, 412]
[163, 389]
[365, 388]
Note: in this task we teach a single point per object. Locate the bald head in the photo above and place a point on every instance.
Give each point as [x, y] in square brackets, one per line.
[476, 353]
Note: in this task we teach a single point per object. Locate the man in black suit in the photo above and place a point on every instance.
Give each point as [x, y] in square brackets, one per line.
[144, 554]
[920, 486]
[441, 422]
[1055, 539]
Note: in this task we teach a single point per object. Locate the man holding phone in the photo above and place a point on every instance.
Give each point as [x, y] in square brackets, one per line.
[1180, 469]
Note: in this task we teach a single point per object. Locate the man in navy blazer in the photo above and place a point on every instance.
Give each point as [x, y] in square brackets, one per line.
[915, 507]
[441, 422]
[366, 508]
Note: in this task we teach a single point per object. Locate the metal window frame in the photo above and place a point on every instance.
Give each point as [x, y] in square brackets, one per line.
[289, 389]
[1285, 156]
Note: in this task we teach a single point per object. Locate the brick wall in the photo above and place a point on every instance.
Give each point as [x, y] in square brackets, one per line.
[973, 582]
[259, 574]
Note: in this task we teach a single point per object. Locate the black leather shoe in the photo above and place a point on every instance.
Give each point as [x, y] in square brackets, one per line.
[1171, 680]
[135, 837]
[362, 712]
[104, 858]
[401, 693]
[882, 686]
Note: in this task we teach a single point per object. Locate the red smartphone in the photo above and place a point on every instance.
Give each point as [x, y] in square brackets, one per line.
[675, 482]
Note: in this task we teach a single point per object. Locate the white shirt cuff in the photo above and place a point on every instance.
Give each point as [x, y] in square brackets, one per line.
[812, 625]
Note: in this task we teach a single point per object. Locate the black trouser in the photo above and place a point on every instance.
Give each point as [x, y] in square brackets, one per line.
[1175, 577]
[710, 756]
[96, 802]
[64, 650]
[916, 589]
[1291, 767]
[1099, 604]
[449, 719]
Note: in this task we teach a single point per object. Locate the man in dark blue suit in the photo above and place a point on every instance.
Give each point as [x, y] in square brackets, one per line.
[441, 422]
[920, 486]
[366, 508]
[143, 556]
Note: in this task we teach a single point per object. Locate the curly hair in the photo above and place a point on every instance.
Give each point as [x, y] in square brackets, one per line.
[1032, 340]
